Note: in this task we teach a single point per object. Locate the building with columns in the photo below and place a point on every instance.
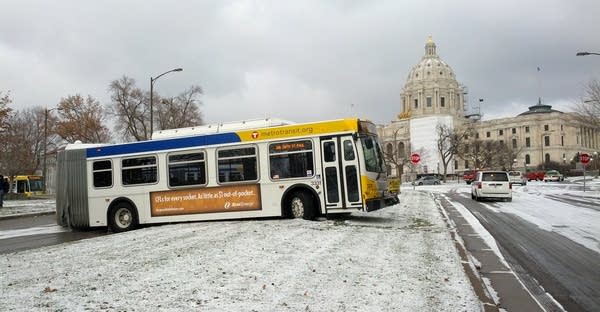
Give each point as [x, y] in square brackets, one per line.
[433, 96]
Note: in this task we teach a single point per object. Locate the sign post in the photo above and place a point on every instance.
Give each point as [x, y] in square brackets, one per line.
[584, 158]
[415, 158]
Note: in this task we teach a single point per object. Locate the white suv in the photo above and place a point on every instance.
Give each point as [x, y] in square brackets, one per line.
[491, 184]
[516, 177]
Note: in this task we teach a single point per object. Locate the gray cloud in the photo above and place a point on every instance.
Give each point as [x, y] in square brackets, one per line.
[299, 60]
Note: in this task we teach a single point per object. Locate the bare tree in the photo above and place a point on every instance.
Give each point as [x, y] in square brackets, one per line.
[5, 111]
[449, 142]
[81, 119]
[130, 106]
[23, 142]
[181, 111]
[588, 110]
[395, 154]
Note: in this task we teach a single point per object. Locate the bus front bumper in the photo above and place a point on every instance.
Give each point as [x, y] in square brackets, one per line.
[382, 202]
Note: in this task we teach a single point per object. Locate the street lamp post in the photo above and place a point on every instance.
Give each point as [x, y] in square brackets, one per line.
[586, 53]
[152, 80]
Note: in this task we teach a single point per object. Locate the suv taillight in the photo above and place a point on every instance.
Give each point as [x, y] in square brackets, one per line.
[478, 185]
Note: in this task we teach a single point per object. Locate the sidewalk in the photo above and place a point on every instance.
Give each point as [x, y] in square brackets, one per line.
[493, 280]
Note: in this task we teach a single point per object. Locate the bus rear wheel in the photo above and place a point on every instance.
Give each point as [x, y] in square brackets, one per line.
[122, 218]
[301, 205]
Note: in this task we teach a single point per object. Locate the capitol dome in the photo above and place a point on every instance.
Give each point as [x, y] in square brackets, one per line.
[431, 88]
[431, 67]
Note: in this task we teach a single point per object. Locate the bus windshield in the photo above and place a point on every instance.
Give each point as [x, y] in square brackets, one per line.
[36, 185]
[373, 156]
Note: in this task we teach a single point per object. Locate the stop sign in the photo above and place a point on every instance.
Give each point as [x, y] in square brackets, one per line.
[584, 158]
[415, 158]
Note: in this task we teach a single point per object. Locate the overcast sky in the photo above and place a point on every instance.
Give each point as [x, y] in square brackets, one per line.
[299, 60]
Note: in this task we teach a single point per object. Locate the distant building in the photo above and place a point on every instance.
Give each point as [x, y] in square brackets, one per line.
[433, 96]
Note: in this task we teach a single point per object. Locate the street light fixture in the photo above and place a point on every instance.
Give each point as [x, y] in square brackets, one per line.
[44, 169]
[152, 80]
[586, 53]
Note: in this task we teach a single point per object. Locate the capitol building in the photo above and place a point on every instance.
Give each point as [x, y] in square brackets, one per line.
[433, 96]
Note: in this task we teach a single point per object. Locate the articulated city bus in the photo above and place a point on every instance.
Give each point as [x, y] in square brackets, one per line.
[249, 169]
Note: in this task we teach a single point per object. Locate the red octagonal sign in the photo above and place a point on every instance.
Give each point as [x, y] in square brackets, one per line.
[415, 158]
[584, 158]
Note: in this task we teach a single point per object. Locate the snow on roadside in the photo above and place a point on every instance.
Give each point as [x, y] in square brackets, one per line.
[20, 207]
[397, 259]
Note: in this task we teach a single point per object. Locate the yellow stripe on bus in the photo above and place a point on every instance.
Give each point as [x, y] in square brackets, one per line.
[342, 125]
[369, 188]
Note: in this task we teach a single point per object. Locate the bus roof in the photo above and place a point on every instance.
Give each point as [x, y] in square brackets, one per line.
[249, 135]
[221, 127]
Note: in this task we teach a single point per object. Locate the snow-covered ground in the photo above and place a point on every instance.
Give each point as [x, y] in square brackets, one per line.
[396, 259]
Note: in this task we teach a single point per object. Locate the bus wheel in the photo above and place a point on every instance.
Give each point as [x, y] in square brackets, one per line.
[122, 218]
[302, 206]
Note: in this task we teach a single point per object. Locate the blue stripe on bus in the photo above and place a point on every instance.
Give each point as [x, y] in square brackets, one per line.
[163, 144]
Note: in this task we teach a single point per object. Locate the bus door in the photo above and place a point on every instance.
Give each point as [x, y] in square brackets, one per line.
[340, 171]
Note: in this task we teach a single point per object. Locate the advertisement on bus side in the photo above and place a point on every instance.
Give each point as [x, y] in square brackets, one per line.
[205, 200]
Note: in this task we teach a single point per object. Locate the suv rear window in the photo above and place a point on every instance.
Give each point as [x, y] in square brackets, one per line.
[514, 173]
[494, 176]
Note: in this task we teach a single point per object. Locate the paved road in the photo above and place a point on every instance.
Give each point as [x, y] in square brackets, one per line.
[17, 234]
[565, 269]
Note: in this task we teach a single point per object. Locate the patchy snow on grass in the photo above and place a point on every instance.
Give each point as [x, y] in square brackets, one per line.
[400, 258]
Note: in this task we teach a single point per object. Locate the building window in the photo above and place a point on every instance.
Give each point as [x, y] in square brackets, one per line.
[416, 103]
[501, 142]
[295, 159]
[102, 173]
[237, 164]
[546, 128]
[187, 169]
[455, 164]
[487, 134]
[514, 130]
[477, 135]
[443, 101]
[527, 159]
[562, 140]
[139, 170]
[527, 142]
[527, 129]
[547, 158]
[514, 143]
[500, 132]
[428, 101]
[466, 164]
[546, 141]
[561, 127]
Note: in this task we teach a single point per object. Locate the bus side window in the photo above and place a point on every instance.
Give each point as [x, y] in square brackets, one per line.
[187, 169]
[139, 170]
[239, 164]
[291, 159]
[102, 173]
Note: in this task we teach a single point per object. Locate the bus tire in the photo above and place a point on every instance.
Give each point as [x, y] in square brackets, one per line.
[122, 217]
[301, 205]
